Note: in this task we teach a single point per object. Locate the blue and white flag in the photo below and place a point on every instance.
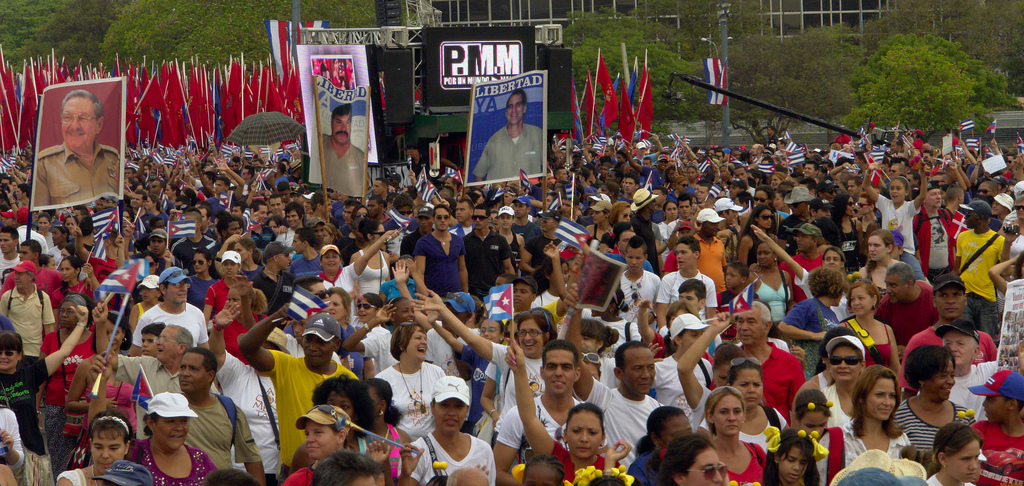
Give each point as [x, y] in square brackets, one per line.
[556, 203]
[499, 303]
[124, 279]
[796, 158]
[572, 233]
[714, 191]
[185, 228]
[705, 165]
[304, 304]
[397, 217]
[104, 224]
[967, 124]
[792, 147]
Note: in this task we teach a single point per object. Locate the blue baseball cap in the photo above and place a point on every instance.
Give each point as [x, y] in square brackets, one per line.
[524, 199]
[1006, 383]
[461, 302]
[172, 275]
[127, 473]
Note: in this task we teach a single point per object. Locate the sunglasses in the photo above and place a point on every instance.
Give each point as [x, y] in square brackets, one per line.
[739, 361]
[765, 216]
[365, 305]
[1019, 208]
[592, 358]
[477, 217]
[849, 360]
[441, 217]
[711, 471]
[322, 294]
[9, 352]
[405, 213]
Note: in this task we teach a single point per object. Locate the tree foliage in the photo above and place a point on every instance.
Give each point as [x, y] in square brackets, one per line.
[21, 20]
[215, 30]
[926, 82]
[808, 73]
[75, 31]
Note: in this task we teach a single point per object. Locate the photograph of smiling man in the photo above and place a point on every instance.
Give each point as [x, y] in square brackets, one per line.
[81, 139]
[507, 127]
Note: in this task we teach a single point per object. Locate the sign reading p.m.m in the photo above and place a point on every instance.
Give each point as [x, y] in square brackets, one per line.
[457, 58]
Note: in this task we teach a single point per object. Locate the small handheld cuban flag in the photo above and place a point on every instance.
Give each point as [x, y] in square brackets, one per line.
[973, 143]
[556, 203]
[141, 392]
[766, 166]
[967, 124]
[714, 192]
[572, 233]
[525, 181]
[304, 304]
[191, 144]
[791, 147]
[705, 165]
[878, 153]
[104, 227]
[1020, 144]
[649, 183]
[181, 229]
[397, 217]
[226, 150]
[786, 136]
[499, 303]
[124, 279]
[250, 225]
[225, 200]
[991, 128]
[796, 158]
[745, 300]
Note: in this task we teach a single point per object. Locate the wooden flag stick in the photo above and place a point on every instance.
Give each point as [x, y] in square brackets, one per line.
[94, 393]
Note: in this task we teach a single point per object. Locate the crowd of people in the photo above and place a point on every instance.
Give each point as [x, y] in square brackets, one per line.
[776, 323]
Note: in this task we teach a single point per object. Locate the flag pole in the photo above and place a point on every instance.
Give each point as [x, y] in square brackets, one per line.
[106, 300]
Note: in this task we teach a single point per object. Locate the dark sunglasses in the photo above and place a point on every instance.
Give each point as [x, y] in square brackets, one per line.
[9, 352]
[477, 217]
[1019, 208]
[405, 213]
[711, 471]
[322, 294]
[849, 360]
[365, 305]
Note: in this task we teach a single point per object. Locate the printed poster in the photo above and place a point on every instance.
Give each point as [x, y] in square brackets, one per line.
[507, 129]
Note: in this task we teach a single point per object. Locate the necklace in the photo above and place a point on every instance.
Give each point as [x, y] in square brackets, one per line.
[412, 398]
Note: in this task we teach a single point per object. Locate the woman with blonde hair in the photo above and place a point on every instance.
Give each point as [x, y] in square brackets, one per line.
[619, 213]
[881, 245]
[725, 413]
[876, 395]
[876, 336]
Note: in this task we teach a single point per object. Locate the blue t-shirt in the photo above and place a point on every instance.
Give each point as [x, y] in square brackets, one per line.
[301, 267]
[441, 272]
[197, 290]
[357, 359]
[639, 469]
[807, 315]
[476, 410]
[251, 275]
[6, 325]
[389, 289]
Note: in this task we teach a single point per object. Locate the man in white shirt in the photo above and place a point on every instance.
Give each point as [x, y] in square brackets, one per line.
[173, 311]
[961, 338]
[560, 369]
[687, 253]
[636, 283]
[626, 407]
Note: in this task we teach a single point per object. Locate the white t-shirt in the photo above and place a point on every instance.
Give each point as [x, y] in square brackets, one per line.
[6, 264]
[191, 318]
[856, 447]
[668, 292]
[960, 395]
[670, 390]
[510, 427]
[9, 422]
[241, 382]
[934, 481]
[624, 419]
[377, 346]
[646, 287]
[620, 327]
[35, 236]
[411, 394]
[440, 353]
[480, 455]
[544, 299]
[901, 219]
[507, 383]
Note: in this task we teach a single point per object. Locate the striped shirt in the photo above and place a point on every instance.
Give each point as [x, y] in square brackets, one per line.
[921, 433]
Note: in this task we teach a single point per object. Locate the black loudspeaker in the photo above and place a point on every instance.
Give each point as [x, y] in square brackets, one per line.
[558, 62]
[399, 88]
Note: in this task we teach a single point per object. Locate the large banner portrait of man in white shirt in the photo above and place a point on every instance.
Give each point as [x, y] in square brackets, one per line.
[507, 129]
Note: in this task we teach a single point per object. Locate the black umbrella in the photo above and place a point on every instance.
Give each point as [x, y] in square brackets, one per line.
[266, 128]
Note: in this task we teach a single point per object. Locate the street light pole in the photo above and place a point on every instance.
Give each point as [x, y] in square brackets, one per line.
[723, 19]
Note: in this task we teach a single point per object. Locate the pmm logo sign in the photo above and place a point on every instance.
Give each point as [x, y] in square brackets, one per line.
[465, 63]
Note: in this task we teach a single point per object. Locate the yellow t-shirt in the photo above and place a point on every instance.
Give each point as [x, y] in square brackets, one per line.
[975, 276]
[293, 386]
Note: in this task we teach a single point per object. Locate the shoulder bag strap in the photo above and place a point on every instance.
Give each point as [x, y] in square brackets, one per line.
[973, 257]
[867, 340]
[270, 413]
[433, 455]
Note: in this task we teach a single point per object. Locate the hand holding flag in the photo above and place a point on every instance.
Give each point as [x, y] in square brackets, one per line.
[499, 303]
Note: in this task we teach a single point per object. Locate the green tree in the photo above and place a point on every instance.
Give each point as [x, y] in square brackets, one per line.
[75, 32]
[925, 82]
[809, 73]
[215, 30]
[21, 19]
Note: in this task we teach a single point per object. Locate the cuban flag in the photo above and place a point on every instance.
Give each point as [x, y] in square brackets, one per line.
[876, 178]
[745, 300]
[600, 143]
[457, 230]
[250, 225]
[181, 229]
[556, 202]
[572, 233]
[786, 136]
[499, 303]
[991, 129]
[878, 153]
[104, 226]
[124, 279]
[791, 147]
[714, 191]
[524, 181]
[648, 184]
[141, 392]
[402, 221]
[424, 188]
[705, 166]
[227, 150]
[796, 158]
[967, 124]
[973, 143]
[766, 166]
[456, 175]
[1020, 144]
[225, 200]
[714, 73]
[304, 304]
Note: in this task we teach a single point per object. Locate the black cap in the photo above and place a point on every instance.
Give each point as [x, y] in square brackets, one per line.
[978, 206]
[825, 186]
[528, 280]
[555, 215]
[820, 203]
[965, 326]
[947, 280]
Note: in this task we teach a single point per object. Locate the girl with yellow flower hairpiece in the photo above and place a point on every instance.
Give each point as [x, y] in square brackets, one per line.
[792, 455]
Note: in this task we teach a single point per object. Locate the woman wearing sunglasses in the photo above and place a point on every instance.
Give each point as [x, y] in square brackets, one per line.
[444, 254]
[844, 363]
[577, 447]
[371, 337]
[327, 430]
[692, 460]
[371, 263]
[762, 216]
[19, 386]
[205, 276]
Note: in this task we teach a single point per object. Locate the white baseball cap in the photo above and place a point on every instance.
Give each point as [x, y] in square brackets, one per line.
[709, 216]
[1004, 200]
[726, 204]
[451, 387]
[852, 341]
[151, 282]
[687, 322]
[231, 256]
[169, 404]
[506, 210]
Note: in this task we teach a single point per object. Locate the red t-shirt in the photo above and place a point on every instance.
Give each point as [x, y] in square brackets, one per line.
[908, 319]
[60, 381]
[808, 265]
[1004, 456]
[302, 477]
[570, 470]
[986, 347]
[754, 473]
[786, 377]
[217, 296]
[47, 280]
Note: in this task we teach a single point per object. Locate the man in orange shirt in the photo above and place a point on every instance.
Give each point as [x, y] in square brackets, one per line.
[712, 250]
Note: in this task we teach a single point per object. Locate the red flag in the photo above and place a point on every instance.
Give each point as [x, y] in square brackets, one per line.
[27, 125]
[645, 110]
[173, 123]
[587, 107]
[152, 99]
[626, 123]
[604, 82]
